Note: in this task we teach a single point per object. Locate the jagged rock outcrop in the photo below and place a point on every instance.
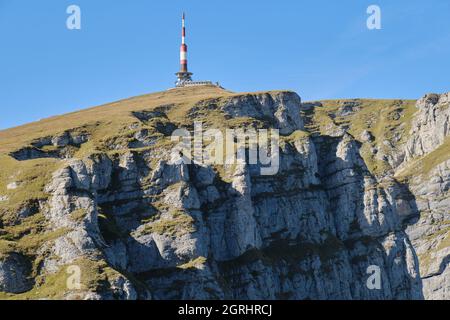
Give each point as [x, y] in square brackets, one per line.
[58, 146]
[430, 187]
[281, 108]
[430, 127]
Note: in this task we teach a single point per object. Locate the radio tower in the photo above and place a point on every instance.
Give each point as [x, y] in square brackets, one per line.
[183, 75]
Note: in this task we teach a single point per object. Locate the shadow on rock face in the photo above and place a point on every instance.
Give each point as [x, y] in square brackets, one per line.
[369, 213]
[15, 272]
[59, 146]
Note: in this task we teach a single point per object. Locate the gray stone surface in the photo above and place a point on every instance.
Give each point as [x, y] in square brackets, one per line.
[15, 274]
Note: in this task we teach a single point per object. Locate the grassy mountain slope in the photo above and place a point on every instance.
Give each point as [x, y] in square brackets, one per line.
[22, 182]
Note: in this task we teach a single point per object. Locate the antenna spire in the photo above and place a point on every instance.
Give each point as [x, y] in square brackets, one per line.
[183, 75]
[183, 32]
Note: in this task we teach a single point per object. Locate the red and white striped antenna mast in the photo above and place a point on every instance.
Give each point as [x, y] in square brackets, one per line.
[183, 75]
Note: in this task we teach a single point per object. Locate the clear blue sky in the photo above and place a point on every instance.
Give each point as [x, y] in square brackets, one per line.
[321, 49]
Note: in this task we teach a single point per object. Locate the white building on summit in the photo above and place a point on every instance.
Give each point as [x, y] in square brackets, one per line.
[184, 77]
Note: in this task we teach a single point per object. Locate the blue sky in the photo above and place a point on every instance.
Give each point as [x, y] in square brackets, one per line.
[321, 49]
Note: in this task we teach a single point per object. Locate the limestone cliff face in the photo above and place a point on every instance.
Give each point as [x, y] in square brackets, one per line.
[430, 127]
[149, 226]
[430, 185]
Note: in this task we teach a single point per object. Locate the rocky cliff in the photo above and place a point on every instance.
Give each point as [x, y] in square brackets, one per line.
[99, 196]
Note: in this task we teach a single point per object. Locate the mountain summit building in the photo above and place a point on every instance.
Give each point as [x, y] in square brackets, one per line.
[184, 77]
